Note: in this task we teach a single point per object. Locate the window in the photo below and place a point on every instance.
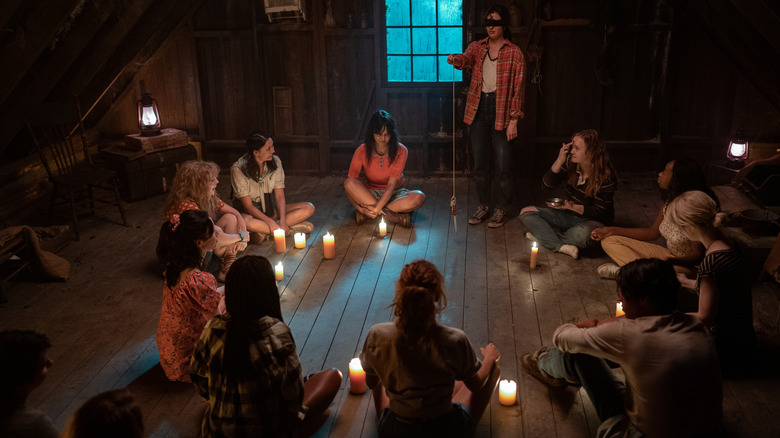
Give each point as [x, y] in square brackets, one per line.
[420, 35]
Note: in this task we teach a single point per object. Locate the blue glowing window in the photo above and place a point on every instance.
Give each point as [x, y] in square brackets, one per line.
[420, 35]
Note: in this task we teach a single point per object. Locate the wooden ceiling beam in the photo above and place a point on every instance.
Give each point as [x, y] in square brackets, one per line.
[34, 31]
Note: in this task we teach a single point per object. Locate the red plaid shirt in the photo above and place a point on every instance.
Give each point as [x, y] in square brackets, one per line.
[510, 81]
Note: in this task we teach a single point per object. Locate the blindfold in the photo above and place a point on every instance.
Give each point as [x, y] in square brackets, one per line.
[491, 22]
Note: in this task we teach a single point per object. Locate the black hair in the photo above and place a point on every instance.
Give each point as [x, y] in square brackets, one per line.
[382, 119]
[256, 140]
[650, 278]
[250, 294]
[109, 414]
[687, 175]
[177, 249]
[504, 13]
[20, 355]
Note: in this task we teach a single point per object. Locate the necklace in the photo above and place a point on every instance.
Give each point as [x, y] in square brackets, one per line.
[490, 57]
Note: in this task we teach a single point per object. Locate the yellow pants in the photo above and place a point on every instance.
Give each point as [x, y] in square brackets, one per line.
[624, 250]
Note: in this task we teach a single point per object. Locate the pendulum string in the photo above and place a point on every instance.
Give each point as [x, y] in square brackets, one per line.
[452, 200]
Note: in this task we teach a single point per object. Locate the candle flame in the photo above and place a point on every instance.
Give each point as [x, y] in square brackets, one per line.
[534, 246]
[355, 365]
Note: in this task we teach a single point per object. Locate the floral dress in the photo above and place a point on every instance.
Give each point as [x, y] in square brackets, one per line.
[185, 311]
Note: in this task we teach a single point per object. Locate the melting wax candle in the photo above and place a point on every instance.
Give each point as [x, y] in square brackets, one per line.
[382, 228]
[279, 271]
[357, 377]
[619, 309]
[329, 246]
[279, 240]
[300, 240]
[534, 251]
[507, 392]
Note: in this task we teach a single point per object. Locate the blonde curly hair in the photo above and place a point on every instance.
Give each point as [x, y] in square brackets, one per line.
[193, 180]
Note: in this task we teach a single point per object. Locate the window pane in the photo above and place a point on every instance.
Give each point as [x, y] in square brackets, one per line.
[424, 13]
[450, 12]
[446, 70]
[424, 41]
[398, 41]
[424, 69]
[399, 68]
[397, 12]
[450, 40]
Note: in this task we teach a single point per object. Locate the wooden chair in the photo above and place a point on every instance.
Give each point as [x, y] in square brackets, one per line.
[79, 185]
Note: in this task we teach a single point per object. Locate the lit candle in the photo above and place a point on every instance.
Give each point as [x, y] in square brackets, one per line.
[279, 271]
[507, 392]
[329, 246]
[382, 228]
[281, 244]
[534, 251]
[300, 240]
[357, 377]
[619, 309]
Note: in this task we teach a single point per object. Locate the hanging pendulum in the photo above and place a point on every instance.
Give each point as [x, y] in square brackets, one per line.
[452, 200]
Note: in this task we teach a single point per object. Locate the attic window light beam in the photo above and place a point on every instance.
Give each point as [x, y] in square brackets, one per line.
[148, 116]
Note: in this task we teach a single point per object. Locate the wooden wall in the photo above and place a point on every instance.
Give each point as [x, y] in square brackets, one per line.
[657, 89]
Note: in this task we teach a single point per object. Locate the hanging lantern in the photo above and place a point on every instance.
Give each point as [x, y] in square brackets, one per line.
[148, 116]
[737, 152]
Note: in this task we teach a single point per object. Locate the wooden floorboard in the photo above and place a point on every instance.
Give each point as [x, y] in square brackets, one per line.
[103, 320]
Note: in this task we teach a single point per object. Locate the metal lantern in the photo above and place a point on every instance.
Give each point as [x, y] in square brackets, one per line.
[737, 152]
[148, 116]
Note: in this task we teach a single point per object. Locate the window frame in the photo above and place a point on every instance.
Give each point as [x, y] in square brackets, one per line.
[386, 83]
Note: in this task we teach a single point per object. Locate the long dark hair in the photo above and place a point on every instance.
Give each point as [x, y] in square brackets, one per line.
[419, 297]
[177, 249]
[256, 140]
[601, 169]
[382, 119]
[502, 11]
[687, 175]
[250, 294]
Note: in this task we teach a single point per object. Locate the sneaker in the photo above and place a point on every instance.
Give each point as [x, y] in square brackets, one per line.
[480, 215]
[257, 238]
[498, 219]
[529, 362]
[570, 250]
[530, 237]
[303, 227]
[608, 271]
[402, 219]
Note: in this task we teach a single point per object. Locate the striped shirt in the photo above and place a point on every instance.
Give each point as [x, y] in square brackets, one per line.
[510, 81]
[599, 207]
[270, 404]
[734, 319]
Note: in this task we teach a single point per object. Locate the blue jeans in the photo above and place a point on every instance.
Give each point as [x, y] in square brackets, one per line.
[455, 423]
[487, 143]
[555, 228]
[606, 392]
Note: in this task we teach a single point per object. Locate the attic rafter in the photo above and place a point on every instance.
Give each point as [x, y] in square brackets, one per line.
[33, 33]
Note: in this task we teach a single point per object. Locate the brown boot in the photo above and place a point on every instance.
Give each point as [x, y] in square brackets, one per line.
[224, 265]
[402, 219]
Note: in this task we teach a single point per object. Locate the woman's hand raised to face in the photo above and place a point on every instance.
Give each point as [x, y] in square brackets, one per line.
[563, 153]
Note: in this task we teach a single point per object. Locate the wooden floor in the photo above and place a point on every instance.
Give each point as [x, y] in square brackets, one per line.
[102, 321]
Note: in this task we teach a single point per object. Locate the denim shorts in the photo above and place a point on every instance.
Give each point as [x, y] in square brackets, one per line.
[454, 424]
[397, 193]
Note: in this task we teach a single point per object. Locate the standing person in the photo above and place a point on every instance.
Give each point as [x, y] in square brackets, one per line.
[195, 188]
[258, 191]
[425, 377]
[673, 385]
[112, 414]
[246, 364]
[723, 282]
[190, 296]
[493, 107]
[625, 245]
[383, 158]
[24, 364]
[583, 164]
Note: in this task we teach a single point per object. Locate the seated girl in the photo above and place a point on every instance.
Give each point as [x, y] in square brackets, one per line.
[425, 377]
[583, 164]
[113, 413]
[194, 188]
[255, 177]
[190, 297]
[247, 367]
[723, 282]
[383, 158]
[625, 245]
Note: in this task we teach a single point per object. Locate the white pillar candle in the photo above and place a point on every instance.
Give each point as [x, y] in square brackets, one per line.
[300, 240]
[507, 392]
[279, 271]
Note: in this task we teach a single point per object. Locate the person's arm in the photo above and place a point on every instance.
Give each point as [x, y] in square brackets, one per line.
[690, 259]
[603, 207]
[466, 59]
[709, 298]
[516, 94]
[255, 212]
[646, 234]
[490, 356]
[281, 205]
[386, 195]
